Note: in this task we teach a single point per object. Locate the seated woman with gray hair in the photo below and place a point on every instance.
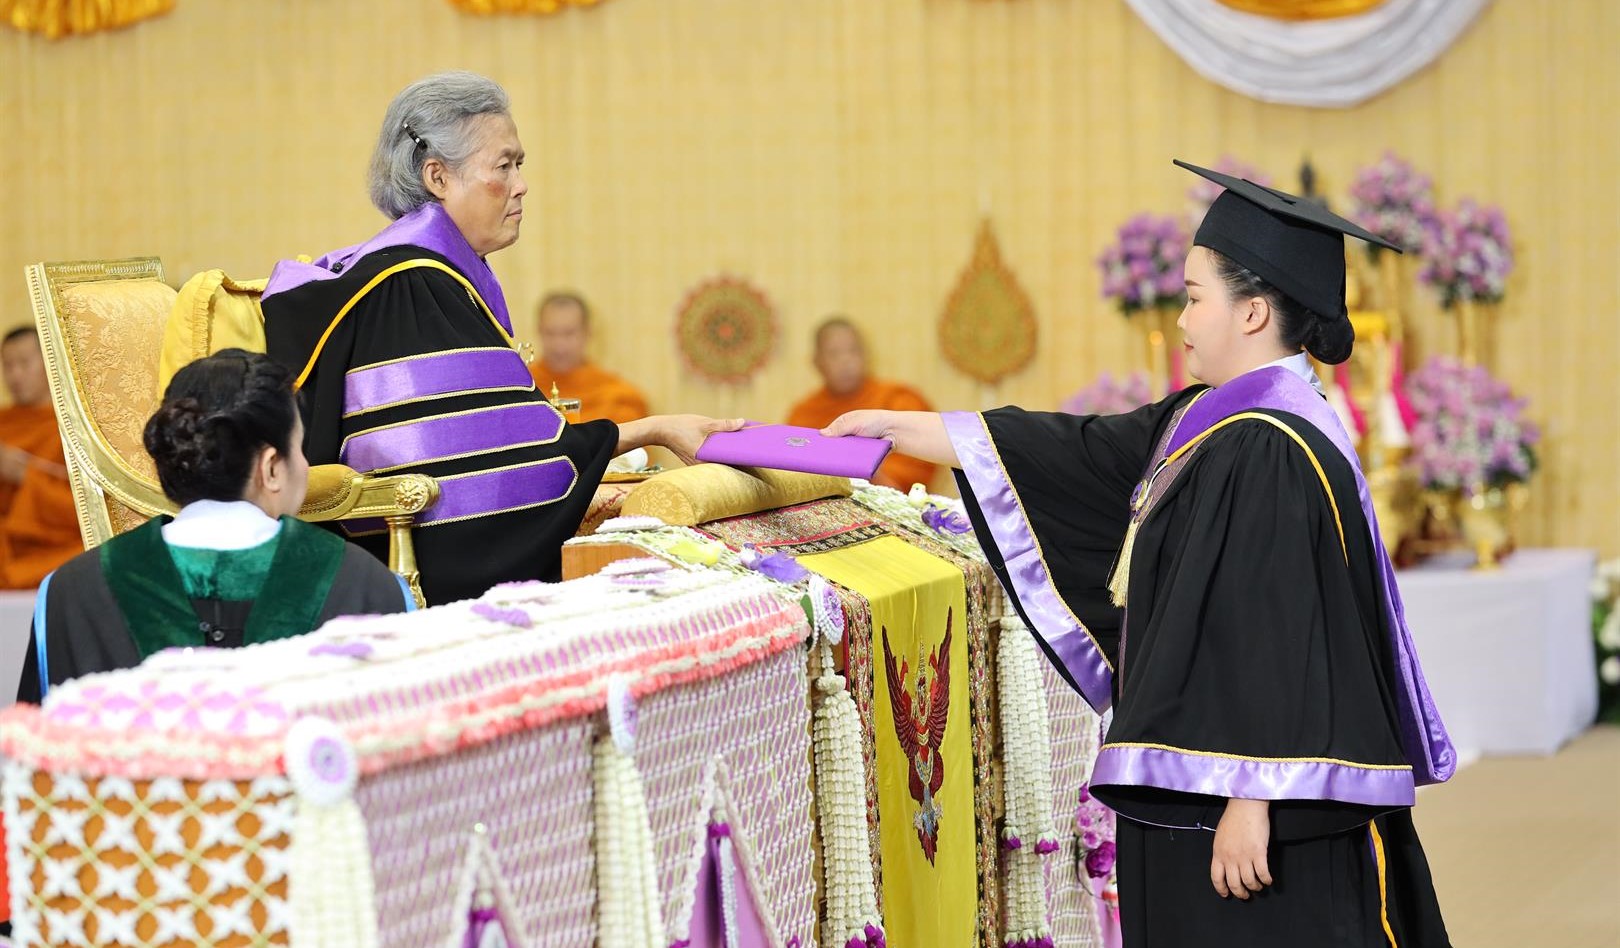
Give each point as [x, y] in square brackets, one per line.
[402, 347]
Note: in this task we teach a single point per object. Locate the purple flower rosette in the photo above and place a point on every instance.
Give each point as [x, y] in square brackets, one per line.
[778, 566]
[944, 520]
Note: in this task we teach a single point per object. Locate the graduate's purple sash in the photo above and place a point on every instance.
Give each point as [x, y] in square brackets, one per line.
[1423, 736]
[428, 227]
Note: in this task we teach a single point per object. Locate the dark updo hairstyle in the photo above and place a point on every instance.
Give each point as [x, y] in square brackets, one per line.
[1329, 339]
[217, 415]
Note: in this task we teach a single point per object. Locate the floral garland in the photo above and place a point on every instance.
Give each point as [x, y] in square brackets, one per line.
[1028, 833]
[1095, 830]
[626, 866]
[851, 914]
[903, 510]
[330, 888]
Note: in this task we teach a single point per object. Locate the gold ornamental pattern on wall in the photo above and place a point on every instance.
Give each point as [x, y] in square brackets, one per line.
[988, 328]
[726, 329]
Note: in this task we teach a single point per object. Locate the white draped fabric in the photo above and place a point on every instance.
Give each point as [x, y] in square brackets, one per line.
[1331, 63]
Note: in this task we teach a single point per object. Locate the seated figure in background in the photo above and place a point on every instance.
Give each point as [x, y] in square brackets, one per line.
[841, 359]
[565, 335]
[402, 350]
[234, 566]
[39, 529]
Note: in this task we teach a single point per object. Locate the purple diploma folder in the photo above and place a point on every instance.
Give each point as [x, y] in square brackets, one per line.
[790, 448]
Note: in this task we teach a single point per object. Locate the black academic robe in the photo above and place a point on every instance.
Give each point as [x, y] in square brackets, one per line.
[113, 606]
[410, 313]
[1248, 632]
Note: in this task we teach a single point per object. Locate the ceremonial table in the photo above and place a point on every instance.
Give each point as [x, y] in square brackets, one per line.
[1508, 653]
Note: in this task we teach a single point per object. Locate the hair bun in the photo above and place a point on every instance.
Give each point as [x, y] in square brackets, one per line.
[176, 435]
[1330, 340]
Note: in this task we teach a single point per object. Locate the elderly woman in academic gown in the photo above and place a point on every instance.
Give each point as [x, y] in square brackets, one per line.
[402, 349]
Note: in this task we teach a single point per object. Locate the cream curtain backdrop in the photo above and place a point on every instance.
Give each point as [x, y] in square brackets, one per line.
[838, 153]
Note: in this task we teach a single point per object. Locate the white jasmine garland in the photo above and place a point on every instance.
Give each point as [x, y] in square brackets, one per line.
[851, 896]
[728, 894]
[627, 870]
[330, 888]
[1028, 833]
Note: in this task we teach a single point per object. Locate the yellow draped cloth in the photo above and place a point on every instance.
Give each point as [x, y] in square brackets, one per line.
[920, 712]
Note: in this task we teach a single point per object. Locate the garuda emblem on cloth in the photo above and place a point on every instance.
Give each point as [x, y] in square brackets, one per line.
[919, 722]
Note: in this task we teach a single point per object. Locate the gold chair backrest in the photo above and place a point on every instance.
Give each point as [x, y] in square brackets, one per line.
[101, 328]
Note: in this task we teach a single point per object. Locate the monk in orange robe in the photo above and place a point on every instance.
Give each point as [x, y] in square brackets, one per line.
[841, 360]
[39, 529]
[565, 333]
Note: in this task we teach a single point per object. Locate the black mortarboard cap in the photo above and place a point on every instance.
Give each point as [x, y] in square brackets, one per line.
[1291, 242]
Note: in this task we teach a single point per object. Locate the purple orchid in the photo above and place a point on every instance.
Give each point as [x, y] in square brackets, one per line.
[1391, 199]
[1470, 254]
[945, 520]
[1143, 270]
[778, 566]
[1470, 431]
[1109, 397]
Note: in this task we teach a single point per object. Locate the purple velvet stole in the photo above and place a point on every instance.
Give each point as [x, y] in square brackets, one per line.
[1424, 741]
[1423, 736]
[428, 227]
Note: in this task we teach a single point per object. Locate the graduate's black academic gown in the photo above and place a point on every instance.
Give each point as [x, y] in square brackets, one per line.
[414, 312]
[112, 607]
[1248, 634]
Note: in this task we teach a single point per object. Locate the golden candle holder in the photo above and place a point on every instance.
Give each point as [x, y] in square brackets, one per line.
[568, 406]
[1157, 324]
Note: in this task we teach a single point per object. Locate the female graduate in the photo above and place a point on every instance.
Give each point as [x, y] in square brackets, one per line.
[234, 566]
[1209, 567]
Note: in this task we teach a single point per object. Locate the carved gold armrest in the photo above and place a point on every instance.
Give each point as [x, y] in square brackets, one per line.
[340, 493]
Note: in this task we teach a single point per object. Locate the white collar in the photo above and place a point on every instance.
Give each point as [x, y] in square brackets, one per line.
[1300, 364]
[220, 525]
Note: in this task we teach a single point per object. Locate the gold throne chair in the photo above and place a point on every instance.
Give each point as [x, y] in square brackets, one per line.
[101, 325]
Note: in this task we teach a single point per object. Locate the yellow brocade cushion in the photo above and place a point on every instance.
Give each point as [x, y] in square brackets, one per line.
[212, 312]
[114, 330]
[692, 495]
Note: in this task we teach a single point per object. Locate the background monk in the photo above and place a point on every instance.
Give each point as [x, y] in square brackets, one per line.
[565, 334]
[39, 529]
[841, 360]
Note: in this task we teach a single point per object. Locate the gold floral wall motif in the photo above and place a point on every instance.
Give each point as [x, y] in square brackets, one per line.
[988, 328]
[55, 19]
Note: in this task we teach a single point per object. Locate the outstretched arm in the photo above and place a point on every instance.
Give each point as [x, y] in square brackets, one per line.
[682, 434]
[920, 434]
